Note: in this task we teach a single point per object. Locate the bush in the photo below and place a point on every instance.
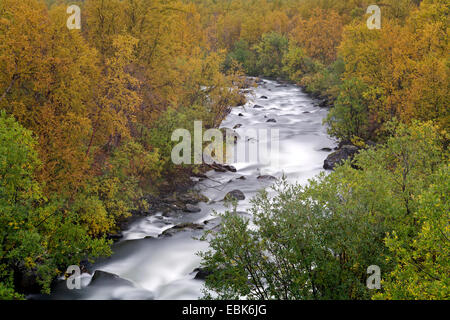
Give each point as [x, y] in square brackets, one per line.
[243, 55]
[270, 52]
[349, 117]
[296, 63]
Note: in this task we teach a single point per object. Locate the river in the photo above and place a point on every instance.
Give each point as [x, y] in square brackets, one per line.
[151, 266]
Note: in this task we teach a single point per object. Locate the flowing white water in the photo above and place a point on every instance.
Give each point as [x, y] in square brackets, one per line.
[162, 267]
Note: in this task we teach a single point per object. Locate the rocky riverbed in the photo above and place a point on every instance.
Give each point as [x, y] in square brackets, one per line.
[155, 256]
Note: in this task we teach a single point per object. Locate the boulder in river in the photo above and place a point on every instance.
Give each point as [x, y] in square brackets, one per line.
[257, 106]
[237, 126]
[326, 149]
[323, 103]
[235, 194]
[240, 115]
[199, 175]
[103, 277]
[264, 97]
[192, 197]
[344, 153]
[230, 168]
[181, 227]
[272, 120]
[191, 208]
[222, 167]
[266, 177]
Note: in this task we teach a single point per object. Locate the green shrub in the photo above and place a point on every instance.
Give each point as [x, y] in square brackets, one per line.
[270, 53]
[38, 235]
[317, 241]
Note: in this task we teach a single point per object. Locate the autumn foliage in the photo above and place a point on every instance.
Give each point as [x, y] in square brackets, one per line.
[86, 115]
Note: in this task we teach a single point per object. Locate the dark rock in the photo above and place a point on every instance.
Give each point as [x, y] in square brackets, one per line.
[267, 177]
[240, 115]
[257, 106]
[192, 197]
[191, 208]
[306, 112]
[181, 227]
[222, 167]
[175, 204]
[230, 168]
[102, 277]
[272, 120]
[202, 273]
[192, 226]
[242, 178]
[264, 97]
[237, 126]
[324, 103]
[115, 236]
[344, 153]
[235, 194]
[326, 149]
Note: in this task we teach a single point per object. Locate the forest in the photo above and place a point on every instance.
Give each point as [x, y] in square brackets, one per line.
[86, 118]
